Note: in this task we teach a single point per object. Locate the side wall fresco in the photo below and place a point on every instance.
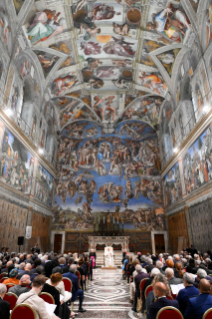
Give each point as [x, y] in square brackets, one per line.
[18, 169]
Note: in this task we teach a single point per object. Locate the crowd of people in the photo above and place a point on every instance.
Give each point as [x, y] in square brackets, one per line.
[191, 268]
[36, 272]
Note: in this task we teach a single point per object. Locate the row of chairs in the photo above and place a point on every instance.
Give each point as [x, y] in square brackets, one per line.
[171, 312]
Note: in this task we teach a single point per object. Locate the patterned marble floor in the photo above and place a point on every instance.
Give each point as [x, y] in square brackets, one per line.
[107, 297]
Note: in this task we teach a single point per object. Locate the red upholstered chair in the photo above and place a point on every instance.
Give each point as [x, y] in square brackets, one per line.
[173, 296]
[2, 279]
[9, 286]
[142, 283]
[208, 314]
[11, 298]
[169, 297]
[67, 284]
[23, 311]
[78, 275]
[4, 274]
[47, 297]
[169, 312]
[147, 290]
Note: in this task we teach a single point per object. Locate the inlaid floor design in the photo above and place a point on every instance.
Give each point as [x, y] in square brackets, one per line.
[107, 297]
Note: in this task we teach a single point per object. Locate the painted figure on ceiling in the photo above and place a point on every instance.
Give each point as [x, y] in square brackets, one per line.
[121, 29]
[119, 47]
[5, 30]
[170, 22]
[61, 85]
[91, 48]
[104, 12]
[209, 24]
[45, 25]
[153, 82]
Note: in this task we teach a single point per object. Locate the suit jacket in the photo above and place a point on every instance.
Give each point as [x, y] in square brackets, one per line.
[18, 290]
[184, 295]
[156, 306]
[137, 280]
[4, 309]
[162, 271]
[175, 281]
[38, 304]
[197, 306]
[75, 284]
[149, 268]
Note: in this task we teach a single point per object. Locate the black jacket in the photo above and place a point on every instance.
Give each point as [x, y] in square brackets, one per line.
[4, 309]
[161, 303]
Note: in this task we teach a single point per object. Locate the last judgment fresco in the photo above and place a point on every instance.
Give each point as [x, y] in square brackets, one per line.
[116, 173]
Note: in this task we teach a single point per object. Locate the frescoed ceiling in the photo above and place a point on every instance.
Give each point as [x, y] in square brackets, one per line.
[105, 61]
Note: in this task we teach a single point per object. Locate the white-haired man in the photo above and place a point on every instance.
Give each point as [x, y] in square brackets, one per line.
[22, 286]
[189, 291]
[171, 279]
[4, 305]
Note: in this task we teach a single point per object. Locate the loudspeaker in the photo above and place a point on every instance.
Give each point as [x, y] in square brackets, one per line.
[20, 241]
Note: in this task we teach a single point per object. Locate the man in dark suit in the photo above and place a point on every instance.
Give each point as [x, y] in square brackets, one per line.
[197, 306]
[162, 301]
[171, 279]
[4, 305]
[76, 292]
[141, 275]
[69, 263]
[189, 291]
[150, 265]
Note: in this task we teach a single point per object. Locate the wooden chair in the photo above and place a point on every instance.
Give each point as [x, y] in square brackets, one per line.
[207, 314]
[11, 298]
[169, 312]
[9, 286]
[23, 311]
[47, 297]
[147, 290]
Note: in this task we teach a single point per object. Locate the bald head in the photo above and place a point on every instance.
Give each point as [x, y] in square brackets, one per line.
[25, 281]
[204, 286]
[28, 267]
[160, 289]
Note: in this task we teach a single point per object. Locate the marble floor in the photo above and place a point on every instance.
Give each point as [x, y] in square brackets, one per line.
[107, 297]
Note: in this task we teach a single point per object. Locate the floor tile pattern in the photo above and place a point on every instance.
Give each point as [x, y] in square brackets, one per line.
[107, 297]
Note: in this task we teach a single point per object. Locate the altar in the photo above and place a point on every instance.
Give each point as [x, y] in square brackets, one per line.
[93, 241]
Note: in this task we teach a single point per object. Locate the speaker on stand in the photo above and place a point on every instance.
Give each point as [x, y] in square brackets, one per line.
[20, 242]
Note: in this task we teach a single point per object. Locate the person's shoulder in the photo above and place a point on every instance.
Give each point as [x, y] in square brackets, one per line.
[5, 303]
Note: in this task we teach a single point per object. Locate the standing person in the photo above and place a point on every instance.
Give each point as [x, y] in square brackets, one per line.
[37, 249]
[4, 305]
[92, 256]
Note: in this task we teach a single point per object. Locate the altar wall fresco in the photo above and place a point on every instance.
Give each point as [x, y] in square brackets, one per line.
[110, 179]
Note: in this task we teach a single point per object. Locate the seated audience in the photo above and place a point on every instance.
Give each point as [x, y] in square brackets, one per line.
[151, 297]
[137, 279]
[62, 310]
[39, 270]
[171, 279]
[27, 269]
[150, 265]
[159, 265]
[32, 299]
[62, 262]
[189, 291]
[13, 277]
[160, 291]
[201, 274]
[8, 268]
[66, 268]
[154, 272]
[4, 305]
[191, 265]
[178, 273]
[76, 292]
[60, 286]
[197, 306]
[21, 287]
